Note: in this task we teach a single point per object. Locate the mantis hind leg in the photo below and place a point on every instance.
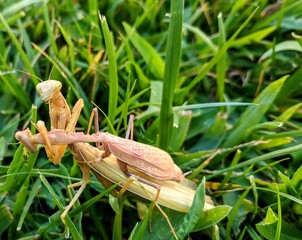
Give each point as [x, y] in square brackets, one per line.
[123, 167]
[133, 177]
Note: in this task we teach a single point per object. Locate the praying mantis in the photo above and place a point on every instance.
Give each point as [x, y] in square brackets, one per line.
[160, 178]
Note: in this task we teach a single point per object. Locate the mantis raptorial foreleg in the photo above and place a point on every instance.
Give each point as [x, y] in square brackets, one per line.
[56, 152]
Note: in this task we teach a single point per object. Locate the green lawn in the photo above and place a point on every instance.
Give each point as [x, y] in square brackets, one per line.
[216, 84]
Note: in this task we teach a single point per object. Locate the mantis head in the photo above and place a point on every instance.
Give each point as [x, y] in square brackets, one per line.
[48, 88]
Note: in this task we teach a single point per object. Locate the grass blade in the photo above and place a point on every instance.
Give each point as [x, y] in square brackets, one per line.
[192, 217]
[253, 114]
[172, 64]
[49, 28]
[113, 79]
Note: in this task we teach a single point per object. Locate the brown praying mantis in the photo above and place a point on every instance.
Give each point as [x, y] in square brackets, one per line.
[151, 166]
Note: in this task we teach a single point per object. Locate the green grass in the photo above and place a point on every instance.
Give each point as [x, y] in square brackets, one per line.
[170, 66]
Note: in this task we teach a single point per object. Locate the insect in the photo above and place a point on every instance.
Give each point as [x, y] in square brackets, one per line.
[60, 116]
[128, 152]
[173, 195]
[148, 159]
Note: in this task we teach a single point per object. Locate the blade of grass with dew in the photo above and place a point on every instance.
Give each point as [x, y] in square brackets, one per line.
[172, 64]
[113, 78]
[253, 114]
